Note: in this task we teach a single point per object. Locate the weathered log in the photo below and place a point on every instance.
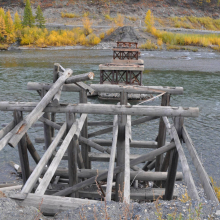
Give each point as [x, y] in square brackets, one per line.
[37, 111]
[41, 165]
[186, 171]
[72, 152]
[80, 77]
[92, 144]
[149, 156]
[100, 132]
[80, 126]
[86, 87]
[135, 144]
[6, 129]
[50, 123]
[112, 160]
[204, 178]
[50, 205]
[47, 129]
[32, 150]
[136, 89]
[22, 150]
[126, 198]
[4, 189]
[106, 109]
[99, 123]
[85, 149]
[165, 101]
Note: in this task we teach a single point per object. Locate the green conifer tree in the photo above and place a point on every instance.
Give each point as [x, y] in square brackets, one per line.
[17, 22]
[28, 19]
[40, 18]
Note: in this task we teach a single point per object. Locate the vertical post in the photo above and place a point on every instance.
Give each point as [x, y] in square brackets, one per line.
[22, 149]
[162, 132]
[171, 176]
[122, 120]
[84, 132]
[55, 77]
[72, 153]
[47, 128]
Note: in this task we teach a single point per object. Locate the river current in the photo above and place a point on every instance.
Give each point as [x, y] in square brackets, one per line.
[198, 73]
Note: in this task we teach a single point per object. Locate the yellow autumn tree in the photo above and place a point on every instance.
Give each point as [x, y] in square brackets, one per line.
[9, 23]
[149, 20]
[17, 22]
[2, 13]
[2, 28]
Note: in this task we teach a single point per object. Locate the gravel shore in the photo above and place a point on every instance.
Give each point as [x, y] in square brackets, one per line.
[159, 209]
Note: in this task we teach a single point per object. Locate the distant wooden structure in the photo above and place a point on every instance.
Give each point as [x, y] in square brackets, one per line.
[78, 179]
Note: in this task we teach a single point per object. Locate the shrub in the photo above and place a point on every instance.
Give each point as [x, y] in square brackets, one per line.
[148, 45]
[69, 15]
[93, 39]
[109, 31]
[102, 35]
[159, 42]
[119, 20]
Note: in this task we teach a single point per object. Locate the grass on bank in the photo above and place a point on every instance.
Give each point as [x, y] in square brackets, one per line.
[177, 39]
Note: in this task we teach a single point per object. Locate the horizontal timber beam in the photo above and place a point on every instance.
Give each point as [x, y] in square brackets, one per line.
[105, 109]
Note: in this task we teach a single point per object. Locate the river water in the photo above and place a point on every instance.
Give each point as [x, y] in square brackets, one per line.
[198, 73]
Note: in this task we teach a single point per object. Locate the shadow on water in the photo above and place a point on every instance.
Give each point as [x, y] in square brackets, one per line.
[201, 89]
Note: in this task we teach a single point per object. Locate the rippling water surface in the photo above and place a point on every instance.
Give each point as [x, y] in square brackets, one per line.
[197, 73]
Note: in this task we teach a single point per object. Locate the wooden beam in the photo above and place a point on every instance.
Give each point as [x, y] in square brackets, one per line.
[80, 77]
[36, 113]
[136, 89]
[186, 170]
[203, 176]
[165, 101]
[72, 152]
[50, 205]
[117, 169]
[85, 149]
[86, 87]
[106, 109]
[41, 165]
[112, 160]
[32, 150]
[126, 198]
[6, 129]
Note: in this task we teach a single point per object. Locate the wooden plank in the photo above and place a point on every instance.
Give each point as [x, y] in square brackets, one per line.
[92, 144]
[112, 160]
[41, 165]
[165, 101]
[72, 152]
[192, 191]
[85, 149]
[37, 111]
[32, 150]
[47, 129]
[100, 132]
[50, 205]
[106, 109]
[6, 129]
[203, 176]
[136, 89]
[99, 123]
[80, 77]
[126, 198]
[117, 169]
[22, 150]
[86, 87]
[122, 120]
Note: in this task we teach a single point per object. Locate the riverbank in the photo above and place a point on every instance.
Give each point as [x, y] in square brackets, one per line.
[104, 18]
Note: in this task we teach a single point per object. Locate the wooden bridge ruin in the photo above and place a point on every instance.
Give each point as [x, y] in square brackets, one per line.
[62, 189]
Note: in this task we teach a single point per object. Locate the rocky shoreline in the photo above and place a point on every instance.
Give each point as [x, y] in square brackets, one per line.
[182, 208]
